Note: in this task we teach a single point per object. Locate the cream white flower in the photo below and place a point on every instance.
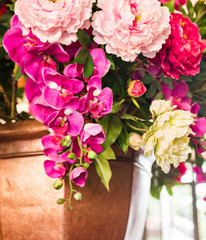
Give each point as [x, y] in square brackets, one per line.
[135, 141]
[168, 135]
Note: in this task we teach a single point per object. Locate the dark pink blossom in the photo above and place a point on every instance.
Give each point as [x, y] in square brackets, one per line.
[92, 135]
[29, 52]
[52, 141]
[177, 2]
[178, 95]
[79, 176]
[59, 90]
[98, 101]
[182, 52]
[55, 170]
[101, 65]
[200, 175]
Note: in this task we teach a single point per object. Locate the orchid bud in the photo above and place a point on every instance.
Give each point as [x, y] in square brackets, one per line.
[72, 156]
[60, 201]
[136, 88]
[78, 196]
[58, 184]
[91, 154]
[204, 137]
[66, 141]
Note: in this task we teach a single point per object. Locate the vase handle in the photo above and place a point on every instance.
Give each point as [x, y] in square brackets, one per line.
[141, 180]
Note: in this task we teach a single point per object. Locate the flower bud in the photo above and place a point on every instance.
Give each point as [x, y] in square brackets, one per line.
[66, 141]
[60, 201]
[78, 196]
[136, 88]
[72, 156]
[58, 184]
[86, 165]
[204, 137]
[135, 141]
[91, 154]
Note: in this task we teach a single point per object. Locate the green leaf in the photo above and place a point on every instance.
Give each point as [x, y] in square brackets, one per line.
[112, 126]
[151, 91]
[115, 107]
[202, 31]
[82, 56]
[147, 79]
[182, 10]
[10, 6]
[112, 64]
[108, 154]
[185, 78]
[159, 96]
[18, 74]
[103, 170]
[170, 5]
[83, 38]
[155, 191]
[199, 160]
[169, 190]
[3, 30]
[123, 140]
[190, 9]
[88, 67]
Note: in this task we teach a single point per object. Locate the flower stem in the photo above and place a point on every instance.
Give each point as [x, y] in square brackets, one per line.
[81, 150]
[71, 188]
[14, 93]
[137, 129]
[202, 145]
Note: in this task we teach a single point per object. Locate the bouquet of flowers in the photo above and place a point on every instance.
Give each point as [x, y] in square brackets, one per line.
[124, 72]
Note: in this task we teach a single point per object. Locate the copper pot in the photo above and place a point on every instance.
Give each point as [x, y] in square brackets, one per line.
[28, 208]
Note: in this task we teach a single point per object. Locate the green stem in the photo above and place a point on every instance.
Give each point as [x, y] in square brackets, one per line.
[81, 150]
[202, 145]
[196, 138]
[71, 188]
[137, 129]
[14, 113]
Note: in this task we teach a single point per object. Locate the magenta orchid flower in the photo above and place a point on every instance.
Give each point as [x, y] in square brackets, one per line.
[53, 142]
[59, 90]
[178, 95]
[29, 52]
[97, 101]
[101, 65]
[92, 136]
[65, 121]
[79, 176]
[55, 170]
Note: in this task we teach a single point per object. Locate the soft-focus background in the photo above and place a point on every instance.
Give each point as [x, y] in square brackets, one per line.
[182, 215]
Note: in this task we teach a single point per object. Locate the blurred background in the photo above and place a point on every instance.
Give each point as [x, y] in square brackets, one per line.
[182, 215]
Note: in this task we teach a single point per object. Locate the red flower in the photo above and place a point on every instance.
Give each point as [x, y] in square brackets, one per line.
[182, 52]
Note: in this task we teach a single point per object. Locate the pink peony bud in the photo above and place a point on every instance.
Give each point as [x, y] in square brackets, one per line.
[136, 88]
[79, 176]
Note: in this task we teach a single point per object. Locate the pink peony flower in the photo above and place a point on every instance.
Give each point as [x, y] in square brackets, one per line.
[136, 88]
[130, 27]
[79, 176]
[182, 52]
[55, 21]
